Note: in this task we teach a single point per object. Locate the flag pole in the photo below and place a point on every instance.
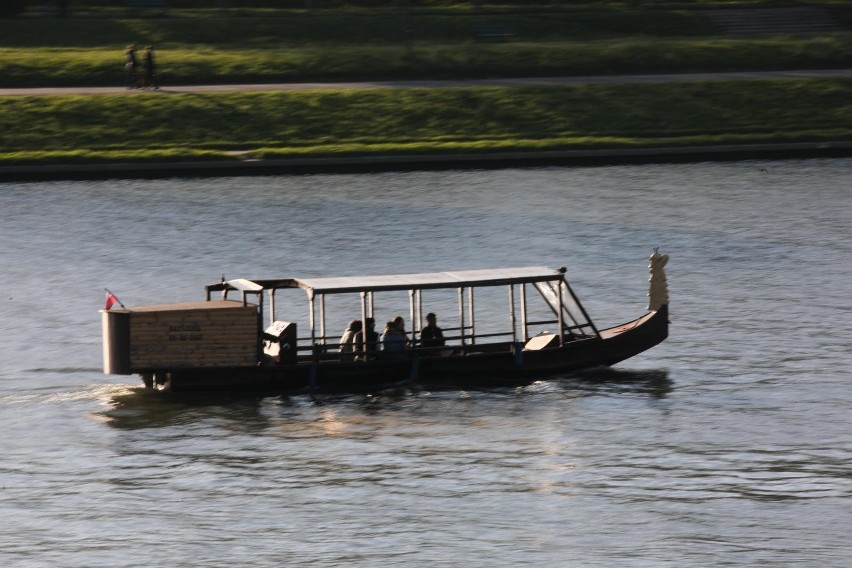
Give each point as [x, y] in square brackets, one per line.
[107, 290]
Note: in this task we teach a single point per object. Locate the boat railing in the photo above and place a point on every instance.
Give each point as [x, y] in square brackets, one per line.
[574, 331]
[329, 350]
[459, 340]
[332, 342]
[483, 336]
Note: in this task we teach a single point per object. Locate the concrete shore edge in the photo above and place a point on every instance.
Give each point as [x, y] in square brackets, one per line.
[497, 160]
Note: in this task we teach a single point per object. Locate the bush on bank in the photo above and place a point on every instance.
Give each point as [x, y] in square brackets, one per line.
[423, 120]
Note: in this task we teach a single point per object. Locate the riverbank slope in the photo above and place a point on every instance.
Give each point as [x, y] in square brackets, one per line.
[401, 125]
[487, 101]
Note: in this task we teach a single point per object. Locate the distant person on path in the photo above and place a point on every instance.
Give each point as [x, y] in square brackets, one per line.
[150, 69]
[131, 66]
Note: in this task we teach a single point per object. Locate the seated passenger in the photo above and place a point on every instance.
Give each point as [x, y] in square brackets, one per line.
[393, 340]
[347, 342]
[399, 322]
[364, 351]
[431, 335]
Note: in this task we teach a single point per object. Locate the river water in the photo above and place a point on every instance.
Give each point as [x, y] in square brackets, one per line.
[727, 445]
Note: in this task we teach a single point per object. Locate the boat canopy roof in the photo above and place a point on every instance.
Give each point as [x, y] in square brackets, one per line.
[422, 281]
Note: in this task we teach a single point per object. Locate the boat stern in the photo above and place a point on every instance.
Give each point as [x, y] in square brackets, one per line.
[218, 333]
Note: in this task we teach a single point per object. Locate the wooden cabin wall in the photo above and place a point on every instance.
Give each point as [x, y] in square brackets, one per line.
[194, 338]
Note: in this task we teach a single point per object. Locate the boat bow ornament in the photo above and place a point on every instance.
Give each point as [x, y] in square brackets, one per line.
[658, 290]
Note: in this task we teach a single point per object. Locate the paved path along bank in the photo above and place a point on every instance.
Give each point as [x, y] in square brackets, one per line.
[519, 82]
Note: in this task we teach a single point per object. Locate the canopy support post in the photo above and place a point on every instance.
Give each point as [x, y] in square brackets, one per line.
[561, 314]
[364, 312]
[322, 318]
[461, 318]
[471, 317]
[512, 321]
[312, 317]
[412, 312]
[418, 326]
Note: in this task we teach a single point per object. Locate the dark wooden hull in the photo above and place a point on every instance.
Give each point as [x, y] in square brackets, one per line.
[495, 367]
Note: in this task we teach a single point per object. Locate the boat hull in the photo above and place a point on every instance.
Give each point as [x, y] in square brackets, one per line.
[498, 366]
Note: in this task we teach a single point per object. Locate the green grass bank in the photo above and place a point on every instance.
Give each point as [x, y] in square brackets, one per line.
[444, 41]
[155, 126]
[265, 42]
[43, 67]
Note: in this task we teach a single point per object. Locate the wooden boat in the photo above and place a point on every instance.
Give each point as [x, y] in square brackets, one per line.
[241, 344]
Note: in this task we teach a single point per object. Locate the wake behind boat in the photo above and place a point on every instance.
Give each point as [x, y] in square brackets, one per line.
[507, 326]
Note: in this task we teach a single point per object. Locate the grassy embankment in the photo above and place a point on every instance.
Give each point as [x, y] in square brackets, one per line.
[197, 47]
[204, 46]
[159, 126]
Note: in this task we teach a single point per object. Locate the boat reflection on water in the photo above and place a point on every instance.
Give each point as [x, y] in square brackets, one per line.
[141, 408]
[655, 382]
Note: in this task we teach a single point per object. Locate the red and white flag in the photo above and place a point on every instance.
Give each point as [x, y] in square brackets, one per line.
[111, 300]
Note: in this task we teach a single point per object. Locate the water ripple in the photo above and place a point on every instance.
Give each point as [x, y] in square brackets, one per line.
[727, 445]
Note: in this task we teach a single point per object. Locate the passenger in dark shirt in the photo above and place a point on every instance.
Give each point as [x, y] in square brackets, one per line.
[366, 351]
[431, 335]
